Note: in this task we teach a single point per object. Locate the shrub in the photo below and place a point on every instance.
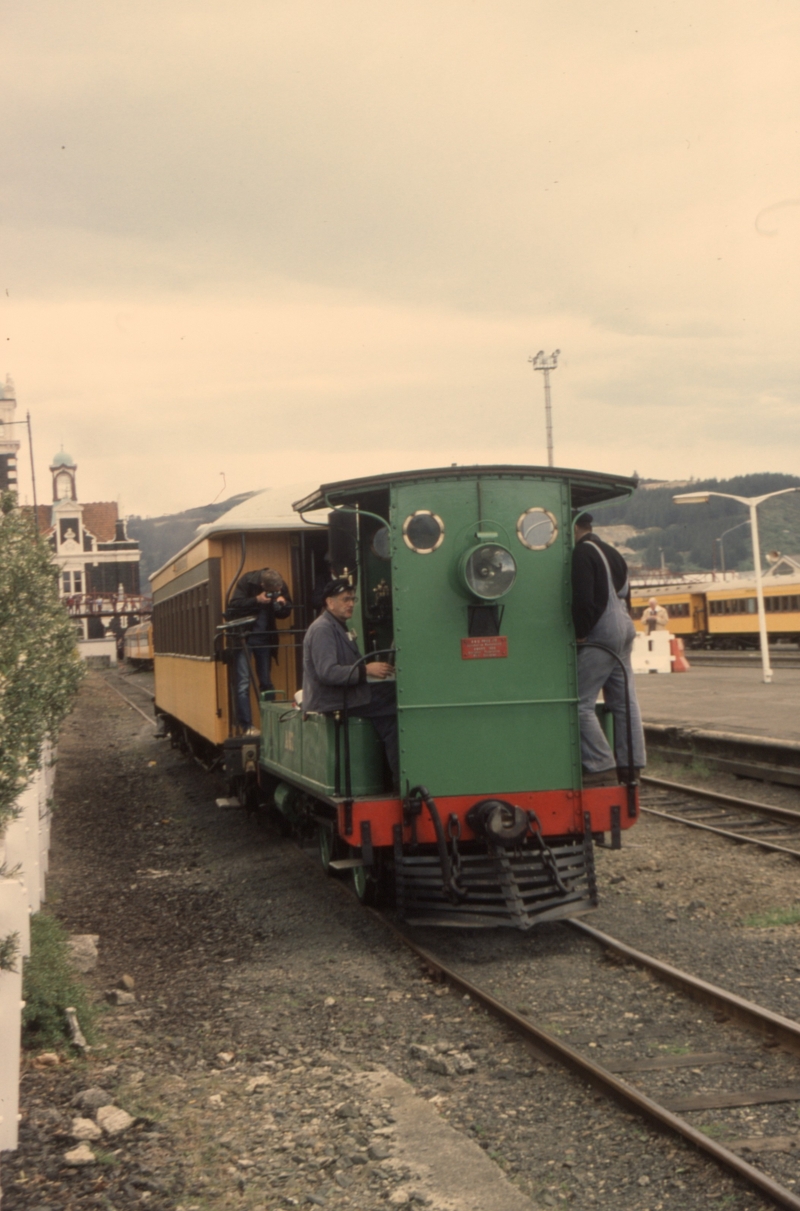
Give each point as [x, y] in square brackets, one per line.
[49, 986]
[40, 669]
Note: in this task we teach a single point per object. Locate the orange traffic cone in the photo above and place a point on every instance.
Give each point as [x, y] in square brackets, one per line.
[678, 657]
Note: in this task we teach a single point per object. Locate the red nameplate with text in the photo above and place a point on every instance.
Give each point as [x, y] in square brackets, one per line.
[484, 647]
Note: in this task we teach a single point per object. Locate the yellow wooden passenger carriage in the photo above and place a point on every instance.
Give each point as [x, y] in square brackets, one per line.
[724, 614]
[190, 594]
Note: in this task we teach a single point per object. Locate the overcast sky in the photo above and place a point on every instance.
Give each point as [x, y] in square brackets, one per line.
[293, 241]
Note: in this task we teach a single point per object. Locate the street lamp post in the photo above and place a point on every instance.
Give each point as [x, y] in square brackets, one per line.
[540, 362]
[752, 502]
[721, 539]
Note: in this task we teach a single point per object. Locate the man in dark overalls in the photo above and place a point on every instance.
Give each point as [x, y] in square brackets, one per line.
[601, 613]
[264, 596]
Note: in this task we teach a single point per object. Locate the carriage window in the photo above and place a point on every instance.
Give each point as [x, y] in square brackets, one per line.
[423, 531]
[380, 543]
[537, 529]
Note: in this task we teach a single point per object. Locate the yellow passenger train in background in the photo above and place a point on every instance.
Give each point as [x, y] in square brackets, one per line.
[724, 614]
[137, 645]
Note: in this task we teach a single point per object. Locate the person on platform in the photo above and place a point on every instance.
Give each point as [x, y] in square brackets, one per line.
[330, 662]
[655, 617]
[601, 614]
[262, 595]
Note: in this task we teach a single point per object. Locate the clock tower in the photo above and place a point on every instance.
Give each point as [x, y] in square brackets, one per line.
[63, 471]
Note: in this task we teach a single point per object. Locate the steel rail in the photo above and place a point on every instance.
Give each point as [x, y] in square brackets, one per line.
[149, 718]
[601, 1078]
[766, 809]
[785, 1030]
[742, 838]
[782, 814]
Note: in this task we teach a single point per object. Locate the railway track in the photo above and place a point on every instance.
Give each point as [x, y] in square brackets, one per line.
[775, 829]
[744, 1039]
[146, 701]
[737, 1057]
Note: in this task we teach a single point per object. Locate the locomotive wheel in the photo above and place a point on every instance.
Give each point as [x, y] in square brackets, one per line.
[329, 845]
[370, 887]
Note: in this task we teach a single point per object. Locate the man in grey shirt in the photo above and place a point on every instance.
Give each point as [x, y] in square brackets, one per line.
[331, 663]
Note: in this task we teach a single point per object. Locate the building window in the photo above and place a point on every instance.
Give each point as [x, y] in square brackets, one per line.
[76, 582]
[65, 582]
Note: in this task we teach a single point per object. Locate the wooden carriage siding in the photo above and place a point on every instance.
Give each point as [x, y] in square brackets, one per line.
[187, 612]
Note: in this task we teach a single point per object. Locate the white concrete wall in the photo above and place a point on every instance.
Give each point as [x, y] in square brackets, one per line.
[24, 852]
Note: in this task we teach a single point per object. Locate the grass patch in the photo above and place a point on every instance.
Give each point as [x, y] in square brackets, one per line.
[773, 916]
[49, 985]
[714, 1131]
[105, 1158]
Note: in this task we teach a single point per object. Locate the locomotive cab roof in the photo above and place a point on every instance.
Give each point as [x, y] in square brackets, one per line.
[588, 487]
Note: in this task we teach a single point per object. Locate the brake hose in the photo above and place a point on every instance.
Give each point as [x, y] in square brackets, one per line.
[451, 888]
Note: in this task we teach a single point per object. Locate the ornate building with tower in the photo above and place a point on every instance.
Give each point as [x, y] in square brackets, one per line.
[90, 542]
[98, 565]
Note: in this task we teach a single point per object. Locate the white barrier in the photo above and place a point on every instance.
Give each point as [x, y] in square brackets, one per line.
[651, 653]
[24, 851]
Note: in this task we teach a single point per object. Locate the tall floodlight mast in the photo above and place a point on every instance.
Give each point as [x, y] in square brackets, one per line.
[540, 362]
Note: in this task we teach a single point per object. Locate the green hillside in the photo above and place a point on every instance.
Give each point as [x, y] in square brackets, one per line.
[161, 537]
[687, 533]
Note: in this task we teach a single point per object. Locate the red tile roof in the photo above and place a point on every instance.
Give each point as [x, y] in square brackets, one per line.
[99, 518]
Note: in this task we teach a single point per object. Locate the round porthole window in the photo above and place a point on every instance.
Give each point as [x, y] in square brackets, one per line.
[423, 531]
[537, 529]
[380, 544]
[489, 571]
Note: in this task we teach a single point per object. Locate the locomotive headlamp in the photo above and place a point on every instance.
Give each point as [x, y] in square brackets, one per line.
[490, 571]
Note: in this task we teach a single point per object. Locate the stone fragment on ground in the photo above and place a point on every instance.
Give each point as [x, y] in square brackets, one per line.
[82, 951]
[47, 1059]
[82, 1155]
[92, 1099]
[118, 996]
[443, 1059]
[113, 1120]
[85, 1129]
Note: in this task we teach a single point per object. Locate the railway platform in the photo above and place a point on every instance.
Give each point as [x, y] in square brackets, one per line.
[724, 700]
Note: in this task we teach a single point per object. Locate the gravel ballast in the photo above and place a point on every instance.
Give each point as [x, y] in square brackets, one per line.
[275, 1028]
